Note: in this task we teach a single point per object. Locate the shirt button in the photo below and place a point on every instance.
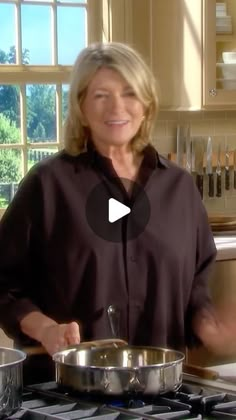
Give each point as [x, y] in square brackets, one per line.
[133, 259]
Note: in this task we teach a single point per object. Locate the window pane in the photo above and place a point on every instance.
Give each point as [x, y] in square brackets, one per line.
[71, 33]
[9, 114]
[36, 34]
[10, 174]
[35, 155]
[41, 113]
[7, 34]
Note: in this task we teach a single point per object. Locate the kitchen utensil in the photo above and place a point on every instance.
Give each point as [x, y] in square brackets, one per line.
[229, 56]
[235, 169]
[209, 168]
[199, 156]
[218, 173]
[113, 313]
[182, 132]
[119, 371]
[193, 168]
[11, 381]
[37, 350]
[227, 173]
[206, 373]
[188, 149]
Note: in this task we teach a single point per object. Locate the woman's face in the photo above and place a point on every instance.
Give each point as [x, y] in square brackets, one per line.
[111, 109]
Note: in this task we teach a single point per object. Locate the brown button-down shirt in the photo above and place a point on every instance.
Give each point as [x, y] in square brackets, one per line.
[50, 259]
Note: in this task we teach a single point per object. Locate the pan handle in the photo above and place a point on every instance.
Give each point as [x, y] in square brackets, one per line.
[108, 342]
[201, 372]
[34, 350]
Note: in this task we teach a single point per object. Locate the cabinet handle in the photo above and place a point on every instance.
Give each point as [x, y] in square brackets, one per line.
[213, 92]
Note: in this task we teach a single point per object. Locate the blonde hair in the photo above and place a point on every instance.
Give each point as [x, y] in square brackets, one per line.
[130, 65]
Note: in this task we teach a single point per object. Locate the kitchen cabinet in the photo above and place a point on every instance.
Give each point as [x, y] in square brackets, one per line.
[178, 40]
[160, 31]
[187, 54]
[219, 79]
[176, 52]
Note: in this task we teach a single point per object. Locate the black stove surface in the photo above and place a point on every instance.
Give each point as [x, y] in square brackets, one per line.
[49, 402]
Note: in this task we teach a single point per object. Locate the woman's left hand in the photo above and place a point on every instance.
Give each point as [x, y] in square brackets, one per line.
[217, 330]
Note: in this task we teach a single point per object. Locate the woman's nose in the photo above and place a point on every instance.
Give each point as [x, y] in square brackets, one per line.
[116, 102]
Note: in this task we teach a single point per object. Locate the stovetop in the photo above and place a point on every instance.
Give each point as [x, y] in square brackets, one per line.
[192, 401]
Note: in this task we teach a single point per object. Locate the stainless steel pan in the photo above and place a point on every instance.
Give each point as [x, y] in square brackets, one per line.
[112, 367]
[11, 381]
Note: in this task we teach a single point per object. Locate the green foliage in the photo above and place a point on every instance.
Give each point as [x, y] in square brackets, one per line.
[10, 165]
[9, 94]
[9, 133]
[10, 162]
[39, 132]
[41, 110]
[10, 102]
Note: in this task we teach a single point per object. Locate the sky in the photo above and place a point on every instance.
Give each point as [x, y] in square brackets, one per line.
[36, 31]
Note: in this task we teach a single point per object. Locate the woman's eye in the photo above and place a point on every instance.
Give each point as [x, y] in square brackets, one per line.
[100, 95]
[130, 93]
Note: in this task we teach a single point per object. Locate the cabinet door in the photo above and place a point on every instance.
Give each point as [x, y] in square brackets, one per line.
[176, 47]
[219, 78]
[168, 33]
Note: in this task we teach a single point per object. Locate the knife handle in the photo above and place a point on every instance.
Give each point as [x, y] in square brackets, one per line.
[227, 179]
[211, 185]
[235, 179]
[218, 185]
[199, 182]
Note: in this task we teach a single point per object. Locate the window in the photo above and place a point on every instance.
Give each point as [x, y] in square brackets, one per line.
[39, 41]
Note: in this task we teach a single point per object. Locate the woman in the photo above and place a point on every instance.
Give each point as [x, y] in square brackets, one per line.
[57, 277]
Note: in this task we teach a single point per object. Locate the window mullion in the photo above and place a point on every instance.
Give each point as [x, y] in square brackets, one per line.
[54, 33]
[18, 33]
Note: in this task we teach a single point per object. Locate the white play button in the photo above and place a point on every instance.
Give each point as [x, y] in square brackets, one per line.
[116, 210]
[106, 204]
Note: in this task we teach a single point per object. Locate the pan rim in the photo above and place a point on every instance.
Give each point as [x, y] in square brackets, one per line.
[180, 357]
[20, 353]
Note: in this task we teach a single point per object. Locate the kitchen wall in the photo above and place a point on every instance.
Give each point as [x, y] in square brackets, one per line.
[4, 340]
[220, 125]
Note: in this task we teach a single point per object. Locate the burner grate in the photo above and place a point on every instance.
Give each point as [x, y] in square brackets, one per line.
[49, 402]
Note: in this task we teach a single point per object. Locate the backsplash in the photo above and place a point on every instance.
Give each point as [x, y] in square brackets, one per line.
[221, 126]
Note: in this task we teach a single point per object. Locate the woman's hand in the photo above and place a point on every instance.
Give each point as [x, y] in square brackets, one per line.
[55, 337]
[49, 333]
[217, 330]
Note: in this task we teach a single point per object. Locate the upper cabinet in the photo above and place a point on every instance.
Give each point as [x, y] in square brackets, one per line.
[219, 54]
[183, 42]
[176, 51]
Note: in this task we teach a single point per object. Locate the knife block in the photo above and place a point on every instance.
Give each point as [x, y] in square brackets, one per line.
[172, 157]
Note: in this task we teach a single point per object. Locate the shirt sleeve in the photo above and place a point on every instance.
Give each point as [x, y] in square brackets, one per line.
[205, 257]
[17, 227]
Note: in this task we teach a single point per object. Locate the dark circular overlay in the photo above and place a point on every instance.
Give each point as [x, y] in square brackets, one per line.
[129, 226]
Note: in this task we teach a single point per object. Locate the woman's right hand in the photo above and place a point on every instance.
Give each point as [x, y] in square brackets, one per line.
[55, 337]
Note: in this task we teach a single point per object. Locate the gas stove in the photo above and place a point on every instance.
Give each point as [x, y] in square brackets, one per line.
[205, 400]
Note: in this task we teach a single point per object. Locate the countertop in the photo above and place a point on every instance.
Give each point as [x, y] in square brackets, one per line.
[226, 247]
[228, 369]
